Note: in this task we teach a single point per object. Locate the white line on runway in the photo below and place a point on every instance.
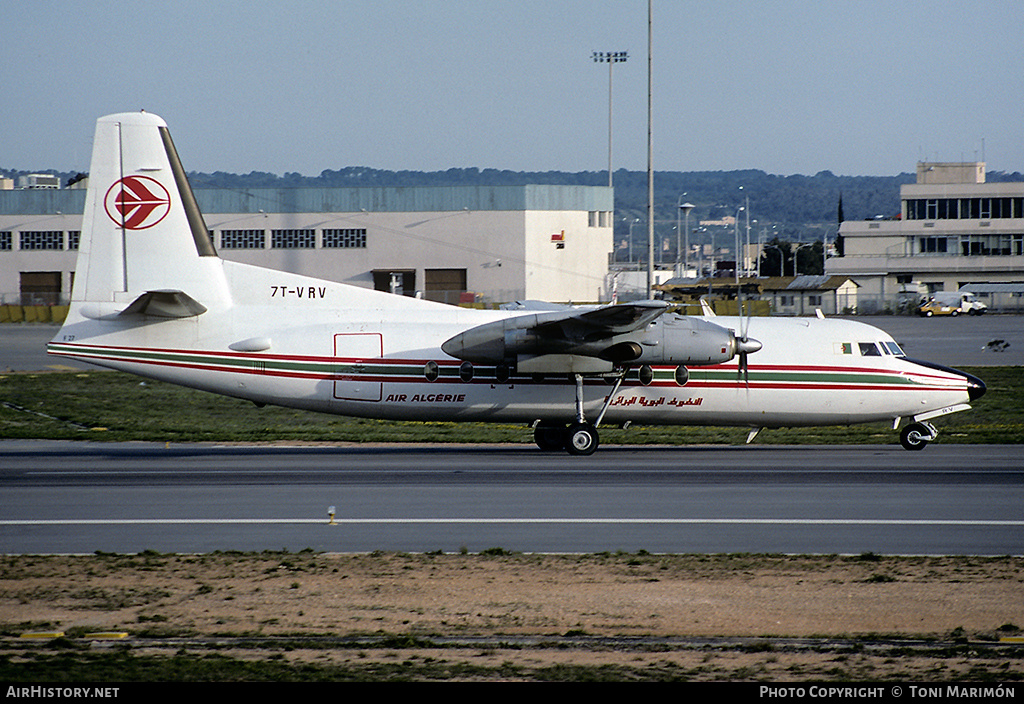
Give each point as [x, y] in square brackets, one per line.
[581, 521]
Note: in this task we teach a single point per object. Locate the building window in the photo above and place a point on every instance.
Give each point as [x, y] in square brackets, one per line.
[933, 245]
[293, 239]
[964, 208]
[74, 236]
[5, 241]
[814, 299]
[986, 245]
[42, 239]
[242, 239]
[348, 238]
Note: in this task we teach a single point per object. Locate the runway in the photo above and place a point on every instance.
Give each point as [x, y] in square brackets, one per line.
[83, 497]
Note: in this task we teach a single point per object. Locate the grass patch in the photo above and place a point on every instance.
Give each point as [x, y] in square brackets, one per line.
[113, 406]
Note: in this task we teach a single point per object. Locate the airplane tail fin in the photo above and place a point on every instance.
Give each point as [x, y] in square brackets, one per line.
[144, 247]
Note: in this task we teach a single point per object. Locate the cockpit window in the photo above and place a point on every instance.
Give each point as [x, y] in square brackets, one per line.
[868, 349]
[895, 349]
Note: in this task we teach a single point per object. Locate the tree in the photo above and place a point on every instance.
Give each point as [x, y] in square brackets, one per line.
[808, 258]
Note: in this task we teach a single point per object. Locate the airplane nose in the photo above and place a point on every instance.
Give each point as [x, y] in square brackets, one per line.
[975, 387]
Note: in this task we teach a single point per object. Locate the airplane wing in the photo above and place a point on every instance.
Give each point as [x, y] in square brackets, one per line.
[601, 322]
[551, 332]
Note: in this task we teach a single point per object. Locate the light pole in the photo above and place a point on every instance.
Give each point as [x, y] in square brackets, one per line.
[736, 232]
[747, 214]
[748, 258]
[681, 264]
[635, 221]
[610, 58]
[796, 250]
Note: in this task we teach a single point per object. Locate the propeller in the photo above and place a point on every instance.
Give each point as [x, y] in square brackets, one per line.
[744, 344]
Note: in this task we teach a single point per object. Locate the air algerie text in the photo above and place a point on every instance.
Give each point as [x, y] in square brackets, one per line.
[426, 398]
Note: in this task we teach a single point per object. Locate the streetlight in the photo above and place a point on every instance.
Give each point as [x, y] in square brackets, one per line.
[736, 233]
[796, 251]
[685, 208]
[610, 58]
[635, 221]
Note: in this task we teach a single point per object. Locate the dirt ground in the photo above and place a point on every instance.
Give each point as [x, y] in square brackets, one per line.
[966, 599]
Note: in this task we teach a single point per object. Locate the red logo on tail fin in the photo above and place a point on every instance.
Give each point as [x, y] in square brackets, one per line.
[137, 202]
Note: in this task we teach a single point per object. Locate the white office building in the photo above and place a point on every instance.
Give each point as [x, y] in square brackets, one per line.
[953, 230]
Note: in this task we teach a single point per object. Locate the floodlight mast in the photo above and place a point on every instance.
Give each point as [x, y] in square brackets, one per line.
[611, 58]
[683, 246]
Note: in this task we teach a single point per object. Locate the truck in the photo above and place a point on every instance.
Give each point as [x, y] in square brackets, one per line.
[952, 303]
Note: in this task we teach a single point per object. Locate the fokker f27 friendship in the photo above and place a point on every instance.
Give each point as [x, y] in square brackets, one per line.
[152, 297]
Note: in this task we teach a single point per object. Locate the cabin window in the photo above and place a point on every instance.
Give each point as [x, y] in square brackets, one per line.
[868, 349]
[466, 371]
[682, 375]
[431, 371]
[646, 375]
[502, 373]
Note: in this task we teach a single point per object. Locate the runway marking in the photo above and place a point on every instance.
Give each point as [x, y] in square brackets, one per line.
[582, 521]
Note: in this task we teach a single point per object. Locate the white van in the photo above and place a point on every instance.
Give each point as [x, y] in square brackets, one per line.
[953, 303]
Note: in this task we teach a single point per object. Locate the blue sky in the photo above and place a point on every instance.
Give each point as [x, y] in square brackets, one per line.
[862, 87]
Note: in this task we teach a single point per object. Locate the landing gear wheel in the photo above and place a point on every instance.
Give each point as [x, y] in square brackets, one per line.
[549, 437]
[914, 437]
[581, 439]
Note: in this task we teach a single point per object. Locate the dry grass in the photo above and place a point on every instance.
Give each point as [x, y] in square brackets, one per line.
[425, 596]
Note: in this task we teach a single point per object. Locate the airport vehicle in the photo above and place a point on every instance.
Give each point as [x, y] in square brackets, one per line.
[152, 297]
[952, 303]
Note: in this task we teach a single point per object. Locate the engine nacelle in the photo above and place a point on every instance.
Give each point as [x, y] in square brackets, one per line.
[668, 339]
[671, 339]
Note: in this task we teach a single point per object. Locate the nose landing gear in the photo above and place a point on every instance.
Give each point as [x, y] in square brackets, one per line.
[916, 435]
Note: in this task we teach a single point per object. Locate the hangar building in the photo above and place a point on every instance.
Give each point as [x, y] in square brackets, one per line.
[460, 244]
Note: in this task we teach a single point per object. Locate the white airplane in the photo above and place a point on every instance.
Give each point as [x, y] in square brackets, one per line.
[152, 297]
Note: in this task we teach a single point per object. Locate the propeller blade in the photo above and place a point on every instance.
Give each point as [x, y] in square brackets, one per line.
[744, 347]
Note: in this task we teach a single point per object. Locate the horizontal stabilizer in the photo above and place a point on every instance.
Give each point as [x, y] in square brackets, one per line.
[165, 304]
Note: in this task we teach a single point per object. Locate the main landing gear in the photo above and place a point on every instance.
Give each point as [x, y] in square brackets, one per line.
[579, 438]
